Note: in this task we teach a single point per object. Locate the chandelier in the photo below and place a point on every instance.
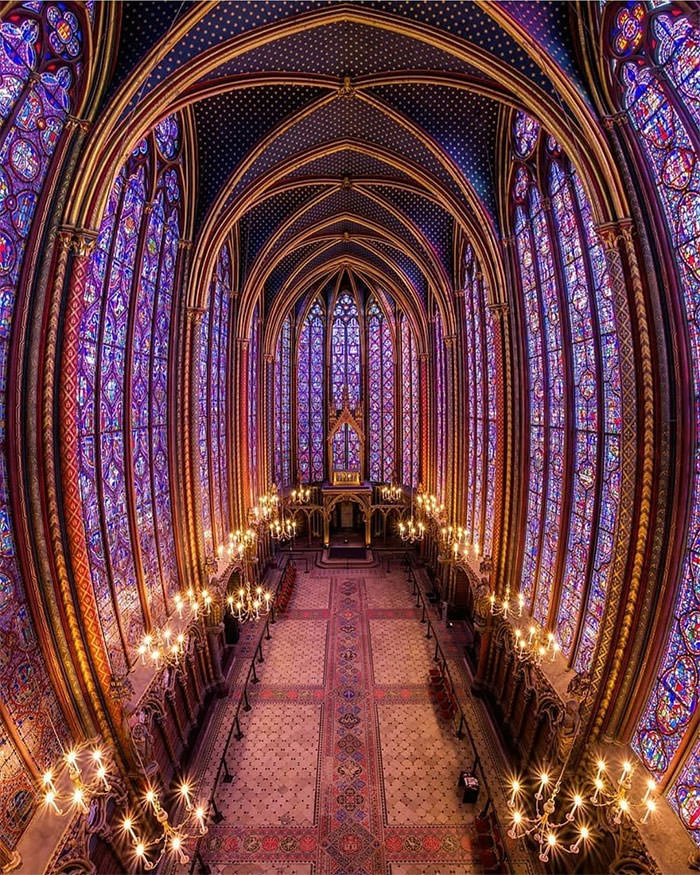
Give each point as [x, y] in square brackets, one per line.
[505, 606]
[266, 507]
[172, 839]
[411, 531]
[536, 645]
[300, 496]
[249, 603]
[430, 505]
[391, 493]
[89, 769]
[162, 647]
[283, 529]
[569, 833]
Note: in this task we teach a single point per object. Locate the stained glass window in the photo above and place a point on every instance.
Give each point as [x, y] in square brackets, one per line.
[583, 346]
[345, 352]
[310, 395]
[253, 355]
[40, 57]
[568, 313]
[125, 330]
[380, 400]
[440, 408]
[525, 132]
[220, 302]
[283, 405]
[480, 406]
[202, 433]
[410, 405]
[660, 88]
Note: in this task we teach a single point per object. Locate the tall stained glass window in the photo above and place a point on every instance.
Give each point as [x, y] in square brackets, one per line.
[40, 65]
[253, 403]
[481, 410]
[573, 388]
[345, 352]
[122, 397]
[219, 318]
[310, 394]
[657, 62]
[283, 405]
[203, 432]
[410, 405]
[440, 407]
[380, 400]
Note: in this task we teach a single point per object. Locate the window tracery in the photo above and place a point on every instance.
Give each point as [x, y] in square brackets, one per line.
[380, 361]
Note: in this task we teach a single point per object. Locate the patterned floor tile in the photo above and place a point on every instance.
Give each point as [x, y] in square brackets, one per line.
[297, 654]
[274, 767]
[421, 765]
[387, 591]
[400, 652]
[311, 593]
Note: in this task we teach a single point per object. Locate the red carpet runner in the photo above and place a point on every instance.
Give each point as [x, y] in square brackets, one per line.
[344, 765]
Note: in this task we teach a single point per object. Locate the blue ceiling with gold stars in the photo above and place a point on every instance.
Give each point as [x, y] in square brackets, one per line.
[323, 135]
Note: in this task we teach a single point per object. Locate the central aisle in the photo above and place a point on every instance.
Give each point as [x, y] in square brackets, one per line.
[345, 765]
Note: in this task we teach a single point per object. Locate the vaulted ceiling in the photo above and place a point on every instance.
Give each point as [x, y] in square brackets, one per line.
[331, 132]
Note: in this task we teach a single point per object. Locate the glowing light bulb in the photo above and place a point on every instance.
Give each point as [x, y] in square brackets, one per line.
[551, 840]
[47, 778]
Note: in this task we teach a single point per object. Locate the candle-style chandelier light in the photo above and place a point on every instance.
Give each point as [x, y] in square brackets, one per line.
[249, 602]
[534, 811]
[300, 496]
[90, 770]
[391, 493]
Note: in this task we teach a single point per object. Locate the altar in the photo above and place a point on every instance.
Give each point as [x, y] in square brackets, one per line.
[333, 494]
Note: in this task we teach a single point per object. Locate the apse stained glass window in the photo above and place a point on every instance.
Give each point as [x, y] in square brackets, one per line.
[310, 395]
[410, 405]
[40, 65]
[253, 356]
[218, 395]
[659, 81]
[380, 400]
[440, 408]
[345, 352]
[283, 405]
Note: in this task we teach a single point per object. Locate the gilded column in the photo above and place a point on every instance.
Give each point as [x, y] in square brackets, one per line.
[76, 584]
[193, 486]
[637, 453]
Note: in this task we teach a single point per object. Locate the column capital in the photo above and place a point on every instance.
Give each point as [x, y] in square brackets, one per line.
[612, 233]
[499, 308]
[196, 314]
[184, 243]
[268, 358]
[617, 118]
[81, 241]
[83, 124]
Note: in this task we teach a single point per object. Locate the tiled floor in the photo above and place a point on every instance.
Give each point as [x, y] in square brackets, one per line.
[344, 765]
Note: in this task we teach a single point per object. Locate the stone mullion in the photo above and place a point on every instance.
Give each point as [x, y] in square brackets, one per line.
[614, 635]
[192, 331]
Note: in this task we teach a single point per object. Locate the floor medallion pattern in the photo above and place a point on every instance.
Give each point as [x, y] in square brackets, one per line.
[345, 766]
